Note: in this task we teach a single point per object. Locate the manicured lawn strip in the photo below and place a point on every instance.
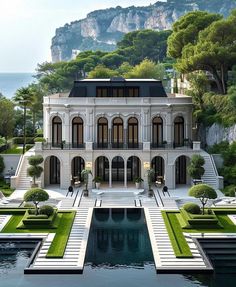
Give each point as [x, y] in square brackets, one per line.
[178, 241]
[58, 245]
[13, 150]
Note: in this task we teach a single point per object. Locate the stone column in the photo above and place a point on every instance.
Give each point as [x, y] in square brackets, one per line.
[168, 127]
[65, 171]
[125, 174]
[170, 175]
[66, 127]
[110, 174]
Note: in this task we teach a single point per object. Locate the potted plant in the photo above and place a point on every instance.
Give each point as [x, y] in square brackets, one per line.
[97, 181]
[150, 175]
[85, 176]
[138, 181]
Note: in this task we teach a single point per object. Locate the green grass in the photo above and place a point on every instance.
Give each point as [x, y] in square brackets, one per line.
[13, 150]
[62, 227]
[178, 241]
[5, 188]
[57, 248]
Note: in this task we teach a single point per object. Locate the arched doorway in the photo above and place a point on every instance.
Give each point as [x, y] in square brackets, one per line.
[157, 132]
[158, 165]
[102, 168]
[118, 169]
[56, 131]
[77, 165]
[54, 170]
[132, 133]
[179, 132]
[102, 133]
[77, 133]
[181, 176]
[117, 133]
[133, 168]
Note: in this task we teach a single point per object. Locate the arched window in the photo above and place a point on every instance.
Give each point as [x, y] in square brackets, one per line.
[102, 133]
[77, 133]
[132, 133]
[179, 131]
[181, 170]
[157, 132]
[56, 131]
[117, 133]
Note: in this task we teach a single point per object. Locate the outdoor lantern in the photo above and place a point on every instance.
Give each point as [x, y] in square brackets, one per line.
[146, 165]
[88, 165]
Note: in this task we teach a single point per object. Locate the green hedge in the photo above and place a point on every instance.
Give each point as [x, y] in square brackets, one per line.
[20, 140]
[36, 221]
[58, 245]
[178, 241]
[199, 221]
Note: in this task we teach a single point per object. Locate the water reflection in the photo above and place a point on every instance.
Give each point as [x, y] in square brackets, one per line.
[120, 240]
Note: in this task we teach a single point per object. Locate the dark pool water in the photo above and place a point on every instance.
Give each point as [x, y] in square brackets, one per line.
[118, 255]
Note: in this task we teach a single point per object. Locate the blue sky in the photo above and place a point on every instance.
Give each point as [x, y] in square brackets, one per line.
[27, 26]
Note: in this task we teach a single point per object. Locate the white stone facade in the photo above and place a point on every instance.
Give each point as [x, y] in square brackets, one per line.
[90, 109]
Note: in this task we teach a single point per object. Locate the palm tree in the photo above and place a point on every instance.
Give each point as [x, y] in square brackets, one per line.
[23, 99]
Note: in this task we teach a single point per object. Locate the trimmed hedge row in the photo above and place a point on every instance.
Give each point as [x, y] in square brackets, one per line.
[20, 140]
[178, 241]
[199, 221]
[34, 221]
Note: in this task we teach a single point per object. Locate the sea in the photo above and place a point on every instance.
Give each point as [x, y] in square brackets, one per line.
[10, 82]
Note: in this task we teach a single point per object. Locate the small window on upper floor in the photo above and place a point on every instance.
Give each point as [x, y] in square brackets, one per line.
[102, 92]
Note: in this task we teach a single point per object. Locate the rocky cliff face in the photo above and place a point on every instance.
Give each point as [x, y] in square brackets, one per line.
[216, 134]
[103, 28]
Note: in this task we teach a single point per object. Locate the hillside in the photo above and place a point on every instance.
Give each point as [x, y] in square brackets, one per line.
[101, 29]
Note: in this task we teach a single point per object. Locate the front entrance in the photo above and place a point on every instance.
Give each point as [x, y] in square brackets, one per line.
[118, 169]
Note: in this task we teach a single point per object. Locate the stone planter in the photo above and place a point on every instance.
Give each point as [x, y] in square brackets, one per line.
[97, 184]
[34, 185]
[137, 184]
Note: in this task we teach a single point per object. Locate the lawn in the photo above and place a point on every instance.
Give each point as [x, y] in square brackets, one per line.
[5, 188]
[173, 221]
[13, 150]
[178, 241]
[62, 227]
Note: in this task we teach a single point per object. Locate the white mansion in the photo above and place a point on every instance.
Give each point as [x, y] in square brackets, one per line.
[119, 128]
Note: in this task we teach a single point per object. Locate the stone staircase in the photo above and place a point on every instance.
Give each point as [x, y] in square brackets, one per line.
[163, 252]
[73, 259]
[23, 179]
[211, 174]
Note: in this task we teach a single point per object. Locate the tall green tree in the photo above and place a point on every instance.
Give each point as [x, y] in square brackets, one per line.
[146, 70]
[7, 119]
[23, 99]
[186, 30]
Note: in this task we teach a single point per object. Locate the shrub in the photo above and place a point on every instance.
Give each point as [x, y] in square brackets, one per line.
[36, 195]
[35, 170]
[28, 146]
[39, 139]
[192, 208]
[40, 216]
[2, 165]
[46, 209]
[230, 190]
[20, 140]
[203, 192]
[196, 169]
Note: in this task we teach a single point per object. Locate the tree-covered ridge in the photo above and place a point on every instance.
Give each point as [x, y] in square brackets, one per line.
[134, 48]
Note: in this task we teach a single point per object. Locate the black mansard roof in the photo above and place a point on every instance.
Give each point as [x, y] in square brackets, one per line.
[144, 87]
